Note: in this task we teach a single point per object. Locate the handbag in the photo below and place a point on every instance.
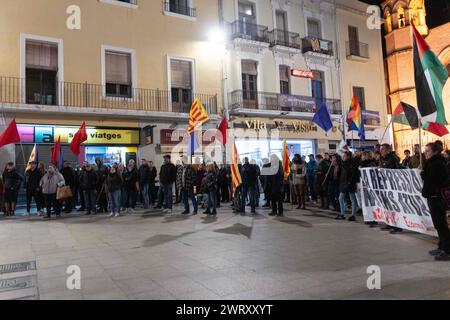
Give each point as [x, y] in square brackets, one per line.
[63, 193]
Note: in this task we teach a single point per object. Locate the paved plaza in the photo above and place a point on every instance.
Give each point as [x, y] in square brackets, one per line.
[148, 255]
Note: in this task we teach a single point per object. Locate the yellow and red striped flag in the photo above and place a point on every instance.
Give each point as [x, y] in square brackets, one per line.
[235, 174]
[198, 116]
[286, 161]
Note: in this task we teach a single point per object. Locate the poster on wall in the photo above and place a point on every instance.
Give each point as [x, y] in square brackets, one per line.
[394, 197]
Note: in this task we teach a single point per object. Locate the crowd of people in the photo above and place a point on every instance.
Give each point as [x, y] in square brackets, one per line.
[329, 181]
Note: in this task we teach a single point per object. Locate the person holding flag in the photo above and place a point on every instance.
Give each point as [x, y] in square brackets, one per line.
[32, 187]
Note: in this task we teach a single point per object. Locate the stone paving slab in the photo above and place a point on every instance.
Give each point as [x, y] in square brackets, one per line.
[147, 255]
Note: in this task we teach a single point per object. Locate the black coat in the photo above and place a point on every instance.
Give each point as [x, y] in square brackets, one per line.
[349, 176]
[32, 181]
[144, 174]
[434, 177]
[391, 161]
[88, 180]
[114, 182]
[69, 176]
[130, 178]
[249, 174]
[168, 174]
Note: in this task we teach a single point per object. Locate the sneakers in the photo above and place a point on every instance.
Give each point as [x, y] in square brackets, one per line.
[40, 213]
[117, 215]
[435, 252]
[339, 217]
[112, 214]
[130, 211]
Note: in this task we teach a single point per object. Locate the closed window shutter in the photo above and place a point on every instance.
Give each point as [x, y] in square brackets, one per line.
[249, 67]
[118, 68]
[41, 56]
[284, 73]
[181, 74]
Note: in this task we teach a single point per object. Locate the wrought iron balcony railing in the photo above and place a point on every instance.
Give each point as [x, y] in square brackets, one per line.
[314, 44]
[85, 95]
[249, 31]
[358, 49]
[284, 38]
[280, 102]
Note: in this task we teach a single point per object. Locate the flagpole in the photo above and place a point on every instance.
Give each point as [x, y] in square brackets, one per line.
[385, 131]
[23, 155]
[420, 143]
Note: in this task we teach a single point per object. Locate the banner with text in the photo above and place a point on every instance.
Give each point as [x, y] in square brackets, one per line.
[395, 197]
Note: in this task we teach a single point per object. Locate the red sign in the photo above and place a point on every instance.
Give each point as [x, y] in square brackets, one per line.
[302, 74]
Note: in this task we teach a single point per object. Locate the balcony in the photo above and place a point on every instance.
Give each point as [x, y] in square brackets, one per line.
[316, 45]
[279, 37]
[84, 95]
[176, 8]
[249, 31]
[282, 103]
[357, 51]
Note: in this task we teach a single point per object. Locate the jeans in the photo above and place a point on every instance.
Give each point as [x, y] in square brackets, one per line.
[90, 198]
[342, 203]
[168, 196]
[212, 201]
[50, 202]
[115, 201]
[311, 187]
[145, 195]
[186, 195]
[130, 197]
[251, 192]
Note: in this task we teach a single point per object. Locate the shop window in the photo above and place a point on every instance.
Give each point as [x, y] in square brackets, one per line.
[41, 73]
[181, 85]
[360, 94]
[118, 74]
[249, 83]
[285, 87]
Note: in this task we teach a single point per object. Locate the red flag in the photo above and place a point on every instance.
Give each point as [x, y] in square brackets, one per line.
[10, 135]
[78, 139]
[56, 150]
[222, 130]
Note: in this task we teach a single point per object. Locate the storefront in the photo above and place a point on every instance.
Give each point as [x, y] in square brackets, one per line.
[259, 138]
[112, 145]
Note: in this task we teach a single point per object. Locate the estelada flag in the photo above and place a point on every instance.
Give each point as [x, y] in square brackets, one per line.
[197, 116]
[286, 161]
[10, 135]
[78, 139]
[221, 134]
[235, 173]
[34, 157]
[430, 77]
[56, 151]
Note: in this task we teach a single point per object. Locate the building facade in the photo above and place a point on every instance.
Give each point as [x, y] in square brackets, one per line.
[399, 60]
[129, 68]
[286, 58]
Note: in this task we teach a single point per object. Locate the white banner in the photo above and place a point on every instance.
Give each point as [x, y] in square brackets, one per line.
[394, 197]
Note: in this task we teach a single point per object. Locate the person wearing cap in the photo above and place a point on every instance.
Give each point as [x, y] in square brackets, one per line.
[32, 189]
[167, 177]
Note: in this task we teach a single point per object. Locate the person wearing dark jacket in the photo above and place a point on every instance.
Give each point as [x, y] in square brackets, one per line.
[389, 160]
[276, 180]
[114, 183]
[69, 178]
[153, 173]
[167, 177]
[332, 179]
[186, 177]
[88, 183]
[11, 181]
[102, 172]
[211, 189]
[32, 188]
[144, 180]
[249, 176]
[130, 186]
[321, 186]
[347, 186]
[435, 178]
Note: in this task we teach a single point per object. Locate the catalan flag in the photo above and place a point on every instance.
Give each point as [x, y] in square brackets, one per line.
[235, 174]
[198, 116]
[286, 161]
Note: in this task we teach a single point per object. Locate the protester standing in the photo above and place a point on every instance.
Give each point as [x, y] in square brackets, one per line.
[32, 188]
[69, 178]
[311, 167]
[167, 177]
[89, 183]
[185, 182]
[144, 180]
[130, 186]
[347, 186]
[50, 183]
[11, 181]
[299, 175]
[276, 183]
[435, 178]
[153, 173]
[323, 165]
[114, 184]
[211, 189]
[249, 176]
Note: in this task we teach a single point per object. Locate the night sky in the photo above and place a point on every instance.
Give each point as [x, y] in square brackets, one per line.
[435, 14]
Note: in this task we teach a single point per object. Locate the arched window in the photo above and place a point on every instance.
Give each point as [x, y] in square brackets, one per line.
[401, 17]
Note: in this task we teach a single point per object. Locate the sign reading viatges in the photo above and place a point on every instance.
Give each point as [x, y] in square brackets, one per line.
[395, 197]
[96, 136]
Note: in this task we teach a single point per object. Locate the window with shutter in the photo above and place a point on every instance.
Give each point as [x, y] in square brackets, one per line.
[313, 28]
[285, 80]
[249, 83]
[181, 85]
[118, 74]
